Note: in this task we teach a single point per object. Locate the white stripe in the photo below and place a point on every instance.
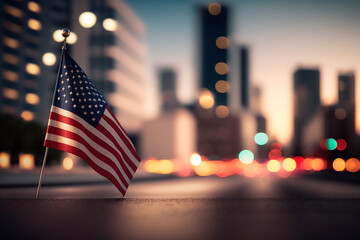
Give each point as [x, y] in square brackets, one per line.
[98, 162]
[106, 113]
[93, 144]
[88, 126]
[119, 141]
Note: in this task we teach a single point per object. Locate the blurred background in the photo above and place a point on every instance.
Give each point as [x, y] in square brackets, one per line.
[251, 88]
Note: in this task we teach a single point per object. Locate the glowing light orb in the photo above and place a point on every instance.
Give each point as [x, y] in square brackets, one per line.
[246, 156]
[273, 165]
[261, 138]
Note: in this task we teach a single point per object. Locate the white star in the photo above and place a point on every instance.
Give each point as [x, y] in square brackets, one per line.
[84, 99]
[77, 94]
[68, 86]
[61, 75]
[66, 101]
[80, 82]
[64, 66]
[58, 90]
[98, 112]
[62, 82]
[79, 75]
[93, 119]
[72, 70]
[83, 94]
[82, 106]
[64, 95]
[58, 98]
[89, 99]
[72, 99]
[96, 105]
[71, 93]
[92, 113]
[66, 73]
[89, 106]
[85, 113]
[74, 105]
[67, 79]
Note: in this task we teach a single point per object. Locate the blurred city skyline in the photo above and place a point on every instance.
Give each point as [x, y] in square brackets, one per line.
[281, 35]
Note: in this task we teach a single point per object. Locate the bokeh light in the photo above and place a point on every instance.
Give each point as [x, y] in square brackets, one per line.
[352, 165]
[289, 164]
[27, 115]
[330, 144]
[87, 19]
[261, 138]
[26, 161]
[340, 113]
[68, 163]
[275, 146]
[32, 98]
[222, 111]
[32, 68]
[222, 42]
[307, 164]
[195, 159]
[34, 24]
[221, 68]
[35, 7]
[49, 59]
[275, 154]
[165, 166]
[222, 86]
[273, 165]
[110, 24]
[339, 164]
[341, 144]
[4, 160]
[214, 9]
[57, 35]
[246, 156]
[206, 99]
[72, 39]
[317, 164]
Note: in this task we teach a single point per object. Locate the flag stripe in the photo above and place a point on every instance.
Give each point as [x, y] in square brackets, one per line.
[74, 125]
[130, 159]
[78, 122]
[88, 136]
[76, 151]
[123, 136]
[82, 142]
[111, 115]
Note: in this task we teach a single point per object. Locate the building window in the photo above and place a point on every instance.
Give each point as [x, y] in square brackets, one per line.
[11, 76]
[13, 11]
[34, 24]
[35, 7]
[32, 98]
[10, 42]
[11, 59]
[32, 68]
[10, 93]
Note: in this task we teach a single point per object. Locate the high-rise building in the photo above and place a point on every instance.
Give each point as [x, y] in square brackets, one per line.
[307, 101]
[168, 88]
[244, 77]
[214, 54]
[346, 88]
[113, 53]
[29, 55]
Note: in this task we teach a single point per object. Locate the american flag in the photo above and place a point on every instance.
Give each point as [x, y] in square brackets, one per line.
[82, 123]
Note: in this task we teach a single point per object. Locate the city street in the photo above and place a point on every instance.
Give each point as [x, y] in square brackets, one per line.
[186, 208]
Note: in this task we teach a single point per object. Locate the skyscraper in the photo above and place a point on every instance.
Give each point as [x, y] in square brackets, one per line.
[28, 55]
[168, 88]
[114, 52]
[244, 76]
[346, 88]
[214, 55]
[307, 101]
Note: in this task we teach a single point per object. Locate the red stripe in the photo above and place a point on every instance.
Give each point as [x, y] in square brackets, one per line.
[121, 134]
[104, 131]
[81, 154]
[100, 156]
[74, 123]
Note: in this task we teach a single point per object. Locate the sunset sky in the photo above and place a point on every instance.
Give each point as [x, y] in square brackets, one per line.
[282, 36]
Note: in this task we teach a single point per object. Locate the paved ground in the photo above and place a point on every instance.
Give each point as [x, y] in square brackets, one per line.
[193, 208]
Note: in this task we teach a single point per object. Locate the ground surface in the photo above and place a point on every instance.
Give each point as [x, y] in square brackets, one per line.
[192, 208]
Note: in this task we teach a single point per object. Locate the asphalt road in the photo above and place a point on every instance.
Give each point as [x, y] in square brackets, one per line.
[191, 208]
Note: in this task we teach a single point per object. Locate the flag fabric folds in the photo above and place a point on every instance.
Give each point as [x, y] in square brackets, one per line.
[82, 123]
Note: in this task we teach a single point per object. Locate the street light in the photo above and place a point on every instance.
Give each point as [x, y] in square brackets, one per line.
[87, 19]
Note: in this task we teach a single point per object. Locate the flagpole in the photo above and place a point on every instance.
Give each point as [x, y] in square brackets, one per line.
[65, 33]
